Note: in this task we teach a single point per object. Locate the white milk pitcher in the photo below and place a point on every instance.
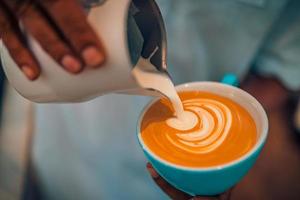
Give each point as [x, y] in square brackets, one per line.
[130, 30]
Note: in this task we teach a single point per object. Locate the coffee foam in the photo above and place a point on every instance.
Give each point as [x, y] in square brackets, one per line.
[186, 121]
[212, 120]
[215, 130]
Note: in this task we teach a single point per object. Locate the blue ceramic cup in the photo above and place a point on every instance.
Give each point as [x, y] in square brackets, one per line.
[216, 179]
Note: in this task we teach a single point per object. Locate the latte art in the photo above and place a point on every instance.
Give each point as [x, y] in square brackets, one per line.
[212, 130]
[213, 122]
[186, 121]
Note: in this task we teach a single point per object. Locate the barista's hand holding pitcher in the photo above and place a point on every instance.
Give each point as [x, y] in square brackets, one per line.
[60, 27]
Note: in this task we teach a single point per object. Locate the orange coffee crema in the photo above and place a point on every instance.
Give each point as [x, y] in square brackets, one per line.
[224, 132]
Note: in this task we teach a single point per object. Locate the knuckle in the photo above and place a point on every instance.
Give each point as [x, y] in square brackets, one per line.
[49, 2]
[18, 53]
[83, 38]
[20, 56]
[4, 28]
[57, 50]
[76, 25]
[54, 46]
[84, 34]
[19, 7]
[5, 24]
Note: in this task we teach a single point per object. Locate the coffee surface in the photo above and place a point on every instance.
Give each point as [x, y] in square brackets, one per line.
[216, 130]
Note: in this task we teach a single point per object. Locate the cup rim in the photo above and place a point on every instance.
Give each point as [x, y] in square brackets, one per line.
[181, 87]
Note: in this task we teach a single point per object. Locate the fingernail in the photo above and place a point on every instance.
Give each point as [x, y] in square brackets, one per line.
[92, 56]
[29, 72]
[71, 64]
[152, 172]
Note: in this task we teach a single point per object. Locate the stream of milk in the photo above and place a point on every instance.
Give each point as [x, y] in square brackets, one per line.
[149, 77]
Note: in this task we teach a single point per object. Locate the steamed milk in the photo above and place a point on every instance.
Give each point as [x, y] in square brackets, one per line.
[148, 77]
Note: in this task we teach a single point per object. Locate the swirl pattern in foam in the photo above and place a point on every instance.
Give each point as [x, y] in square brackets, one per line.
[215, 119]
[214, 130]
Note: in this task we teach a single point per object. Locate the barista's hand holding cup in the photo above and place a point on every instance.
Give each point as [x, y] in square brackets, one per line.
[209, 154]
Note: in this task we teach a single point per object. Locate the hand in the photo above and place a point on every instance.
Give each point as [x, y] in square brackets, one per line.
[60, 27]
[270, 92]
[176, 194]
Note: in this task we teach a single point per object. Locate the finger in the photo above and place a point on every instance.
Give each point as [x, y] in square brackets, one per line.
[73, 23]
[177, 194]
[172, 192]
[204, 198]
[12, 38]
[226, 195]
[36, 24]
